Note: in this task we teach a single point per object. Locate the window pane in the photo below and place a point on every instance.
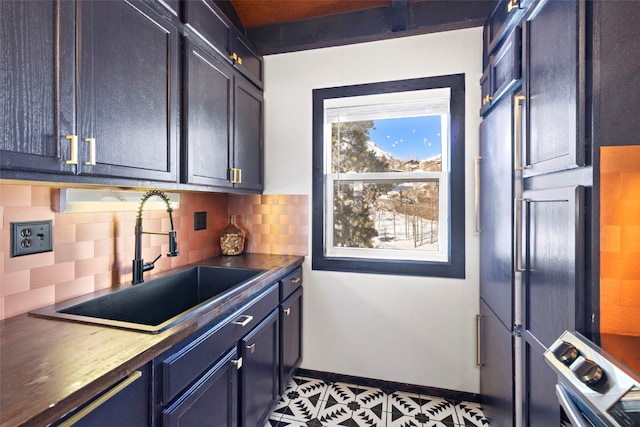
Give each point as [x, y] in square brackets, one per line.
[413, 143]
[400, 215]
[405, 144]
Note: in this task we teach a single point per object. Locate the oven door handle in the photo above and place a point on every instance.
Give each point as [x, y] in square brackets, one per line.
[572, 411]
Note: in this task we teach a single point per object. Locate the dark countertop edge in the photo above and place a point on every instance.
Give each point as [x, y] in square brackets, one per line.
[278, 265]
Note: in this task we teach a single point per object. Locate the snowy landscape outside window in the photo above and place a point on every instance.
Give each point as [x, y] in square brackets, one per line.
[386, 163]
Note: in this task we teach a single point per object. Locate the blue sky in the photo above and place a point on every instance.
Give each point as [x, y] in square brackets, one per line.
[407, 138]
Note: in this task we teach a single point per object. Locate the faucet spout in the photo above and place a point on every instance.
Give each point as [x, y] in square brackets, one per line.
[139, 266]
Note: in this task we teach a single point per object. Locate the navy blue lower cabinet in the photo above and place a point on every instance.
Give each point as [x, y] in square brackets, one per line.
[260, 373]
[211, 401]
[126, 403]
[290, 337]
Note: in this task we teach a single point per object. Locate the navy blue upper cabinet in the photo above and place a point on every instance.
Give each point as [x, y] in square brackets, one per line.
[38, 106]
[97, 96]
[616, 80]
[208, 92]
[128, 91]
[207, 20]
[223, 116]
[554, 64]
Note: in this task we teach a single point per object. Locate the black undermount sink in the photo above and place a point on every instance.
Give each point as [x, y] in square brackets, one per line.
[159, 303]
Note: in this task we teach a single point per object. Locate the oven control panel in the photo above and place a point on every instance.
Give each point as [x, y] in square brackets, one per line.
[592, 384]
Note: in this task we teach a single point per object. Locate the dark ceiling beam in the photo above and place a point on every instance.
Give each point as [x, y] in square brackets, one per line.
[401, 19]
[399, 15]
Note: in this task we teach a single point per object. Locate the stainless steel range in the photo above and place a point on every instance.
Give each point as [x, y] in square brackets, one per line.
[594, 388]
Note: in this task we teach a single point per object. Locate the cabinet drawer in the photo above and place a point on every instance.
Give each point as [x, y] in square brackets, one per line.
[185, 365]
[503, 17]
[506, 64]
[290, 283]
[246, 60]
[205, 18]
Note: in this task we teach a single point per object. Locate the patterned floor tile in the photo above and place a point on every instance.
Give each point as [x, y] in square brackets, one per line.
[438, 409]
[372, 398]
[309, 402]
[369, 417]
[470, 415]
[402, 403]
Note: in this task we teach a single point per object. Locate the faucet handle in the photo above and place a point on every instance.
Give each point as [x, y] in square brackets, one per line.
[150, 265]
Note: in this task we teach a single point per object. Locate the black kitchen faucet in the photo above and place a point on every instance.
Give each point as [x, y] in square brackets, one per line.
[139, 267]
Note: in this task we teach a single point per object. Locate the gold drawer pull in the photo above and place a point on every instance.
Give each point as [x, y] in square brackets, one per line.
[296, 280]
[251, 348]
[236, 58]
[287, 311]
[237, 363]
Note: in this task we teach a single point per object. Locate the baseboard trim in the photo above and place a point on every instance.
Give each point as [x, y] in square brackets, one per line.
[390, 385]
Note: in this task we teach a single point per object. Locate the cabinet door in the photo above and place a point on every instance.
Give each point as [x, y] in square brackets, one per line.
[290, 337]
[126, 403]
[247, 135]
[553, 240]
[554, 66]
[496, 211]
[211, 401]
[260, 373]
[497, 369]
[127, 98]
[208, 87]
[37, 61]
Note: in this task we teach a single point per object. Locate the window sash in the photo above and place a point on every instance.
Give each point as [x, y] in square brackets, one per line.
[441, 255]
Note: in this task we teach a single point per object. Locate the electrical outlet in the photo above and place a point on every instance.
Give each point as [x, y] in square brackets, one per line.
[31, 237]
[199, 220]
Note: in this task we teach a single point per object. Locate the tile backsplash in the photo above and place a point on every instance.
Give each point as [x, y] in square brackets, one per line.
[620, 240]
[93, 251]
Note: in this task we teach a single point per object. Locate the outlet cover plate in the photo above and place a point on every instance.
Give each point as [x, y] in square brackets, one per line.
[199, 221]
[31, 237]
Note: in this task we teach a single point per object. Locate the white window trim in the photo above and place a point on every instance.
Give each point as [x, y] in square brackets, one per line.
[399, 104]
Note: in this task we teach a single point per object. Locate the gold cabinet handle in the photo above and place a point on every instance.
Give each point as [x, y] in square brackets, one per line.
[478, 348]
[244, 322]
[477, 192]
[296, 280]
[74, 149]
[236, 175]
[513, 4]
[251, 348]
[287, 311]
[236, 58]
[517, 234]
[237, 363]
[92, 151]
[487, 99]
[102, 399]
[517, 132]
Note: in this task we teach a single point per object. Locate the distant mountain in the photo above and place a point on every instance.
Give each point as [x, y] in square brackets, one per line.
[426, 165]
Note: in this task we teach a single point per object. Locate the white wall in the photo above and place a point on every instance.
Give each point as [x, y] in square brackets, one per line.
[405, 329]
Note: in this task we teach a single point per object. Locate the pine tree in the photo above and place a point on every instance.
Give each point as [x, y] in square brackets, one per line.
[354, 205]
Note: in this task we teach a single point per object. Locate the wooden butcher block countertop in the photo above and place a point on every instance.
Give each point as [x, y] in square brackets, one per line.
[48, 367]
